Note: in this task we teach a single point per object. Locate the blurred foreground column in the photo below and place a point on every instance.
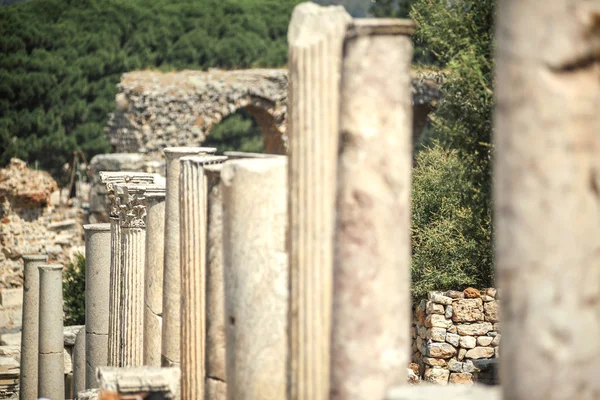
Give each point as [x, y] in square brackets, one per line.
[97, 283]
[79, 362]
[193, 216]
[171, 327]
[51, 381]
[315, 38]
[256, 277]
[370, 334]
[153, 281]
[30, 330]
[547, 197]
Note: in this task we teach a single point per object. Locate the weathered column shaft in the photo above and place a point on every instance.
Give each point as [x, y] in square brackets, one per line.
[51, 383]
[30, 328]
[133, 261]
[193, 216]
[371, 296]
[79, 363]
[256, 277]
[315, 38]
[97, 289]
[153, 282]
[171, 328]
[216, 343]
[546, 187]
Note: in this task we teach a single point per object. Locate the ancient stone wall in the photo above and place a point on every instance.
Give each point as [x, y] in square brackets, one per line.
[456, 336]
[157, 110]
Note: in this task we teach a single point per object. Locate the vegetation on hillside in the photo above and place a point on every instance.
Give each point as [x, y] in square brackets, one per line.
[451, 198]
[74, 291]
[60, 61]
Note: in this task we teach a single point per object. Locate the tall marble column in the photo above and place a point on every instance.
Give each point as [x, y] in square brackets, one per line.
[51, 369]
[371, 291]
[110, 179]
[216, 343]
[97, 284]
[546, 197]
[171, 328]
[130, 314]
[193, 214]
[315, 39]
[30, 328]
[153, 281]
[256, 277]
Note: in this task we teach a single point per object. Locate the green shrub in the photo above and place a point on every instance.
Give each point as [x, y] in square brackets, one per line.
[74, 291]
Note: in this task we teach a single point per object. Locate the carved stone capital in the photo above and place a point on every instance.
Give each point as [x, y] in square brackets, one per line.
[132, 206]
[113, 178]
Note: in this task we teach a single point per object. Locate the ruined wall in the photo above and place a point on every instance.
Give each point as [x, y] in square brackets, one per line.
[157, 110]
[456, 336]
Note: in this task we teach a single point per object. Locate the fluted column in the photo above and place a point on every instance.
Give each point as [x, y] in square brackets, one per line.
[110, 179]
[30, 328]
[51, 383]
[193, 198]
[171, 328]
[153, 282]
[133, 259]
[97, 288]
[256, 277]
[371, 296]
[315, 38]
[216, 343]
[79, 363]
[547, 197]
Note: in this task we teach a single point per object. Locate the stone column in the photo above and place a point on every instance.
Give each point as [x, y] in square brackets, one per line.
[51, 381]
[153, 282]
[171, 328]
[130, 313]
[110, 179]
[79, 363]
[315, 38]
[216, 343]
[97, 284]
[547, 190]
[256, 277]
[29, 332]
[193, 214]
[371, 296]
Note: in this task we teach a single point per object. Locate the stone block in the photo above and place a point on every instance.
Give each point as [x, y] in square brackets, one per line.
[484, 340]
[468, 366]
[474, 329]
[461, 354]
[453, 339]
[491, 292]
[437, 321]
[440, 350]
[467, 310]
[496, 340]
[454, 294]
[437, 375]
[452, 329]
[423, 332]
[455, 366]
[434, 362]
[439, 298]
[448, 312]
[492, 311]
[434, 308]
[11, 297]
[437, 334]
[480, 352]
[471, 293]
[468, 342]
[461, 378]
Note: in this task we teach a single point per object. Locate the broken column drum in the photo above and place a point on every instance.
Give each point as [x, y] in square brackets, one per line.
[79, 362]
[132, 221]
[315, 38]
[546, 197]
[193, 198]
[371, 291]
[51, 383]
[171, 328]
[216, 344]
[28, 378]
[114, 326]
[153, 282]
[254, 234]
[97, 281]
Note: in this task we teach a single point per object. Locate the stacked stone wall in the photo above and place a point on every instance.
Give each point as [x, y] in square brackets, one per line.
[456, 336]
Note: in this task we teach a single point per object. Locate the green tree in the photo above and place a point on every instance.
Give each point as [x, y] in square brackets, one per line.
[74, 291]
[237, 132]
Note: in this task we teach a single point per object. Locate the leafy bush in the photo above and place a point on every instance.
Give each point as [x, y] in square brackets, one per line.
[74, 291]
[237, 132]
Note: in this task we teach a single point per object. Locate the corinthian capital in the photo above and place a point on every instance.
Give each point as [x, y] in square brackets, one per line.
[132, 205]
